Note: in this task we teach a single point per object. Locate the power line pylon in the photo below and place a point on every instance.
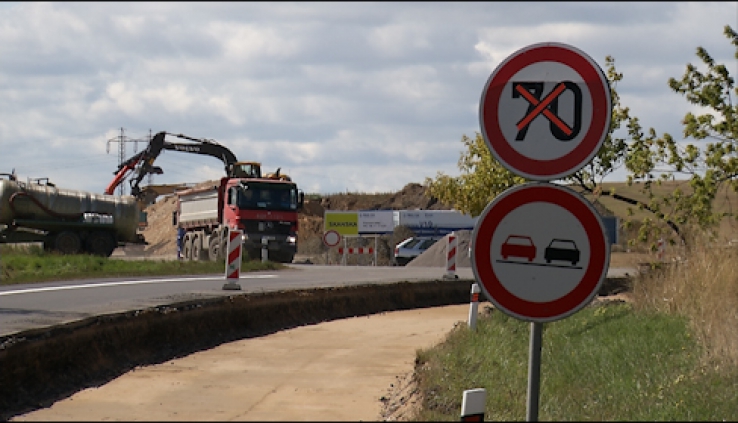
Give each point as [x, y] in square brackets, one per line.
[122, 139]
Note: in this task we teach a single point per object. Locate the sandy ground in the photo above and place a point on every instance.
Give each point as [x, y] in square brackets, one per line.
[339, 370]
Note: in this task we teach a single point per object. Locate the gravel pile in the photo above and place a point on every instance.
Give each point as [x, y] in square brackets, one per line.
[435, 256]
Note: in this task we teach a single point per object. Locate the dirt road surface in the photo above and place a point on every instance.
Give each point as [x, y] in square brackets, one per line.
[337, 370]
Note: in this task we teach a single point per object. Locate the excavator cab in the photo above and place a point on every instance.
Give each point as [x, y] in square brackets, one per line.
[246, 170]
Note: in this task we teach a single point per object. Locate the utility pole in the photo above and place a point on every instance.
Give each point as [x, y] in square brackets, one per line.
[122, 139]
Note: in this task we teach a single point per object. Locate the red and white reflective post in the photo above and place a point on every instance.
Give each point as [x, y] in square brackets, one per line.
[473, 405]
[474, 306]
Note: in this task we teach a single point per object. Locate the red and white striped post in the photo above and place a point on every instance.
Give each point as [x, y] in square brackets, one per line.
[474, 306]
[451, 257]
[233, 261]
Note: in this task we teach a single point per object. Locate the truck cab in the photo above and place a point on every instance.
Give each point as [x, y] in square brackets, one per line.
[266, 211]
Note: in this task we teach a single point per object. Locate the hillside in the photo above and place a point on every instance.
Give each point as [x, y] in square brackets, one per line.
[725, 202]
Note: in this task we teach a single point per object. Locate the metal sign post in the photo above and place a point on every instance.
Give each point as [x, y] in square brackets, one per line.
[534, 371]
[539, 250]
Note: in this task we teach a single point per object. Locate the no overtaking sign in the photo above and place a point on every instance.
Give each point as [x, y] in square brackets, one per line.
[540, 252]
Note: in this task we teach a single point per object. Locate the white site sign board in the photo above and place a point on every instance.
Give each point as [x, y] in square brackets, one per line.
[376, 222]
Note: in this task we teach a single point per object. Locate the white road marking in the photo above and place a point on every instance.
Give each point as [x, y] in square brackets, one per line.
[105, 284]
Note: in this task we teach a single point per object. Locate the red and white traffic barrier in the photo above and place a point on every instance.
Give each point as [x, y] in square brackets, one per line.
[356, 250]
[451, 256]
[233, 260]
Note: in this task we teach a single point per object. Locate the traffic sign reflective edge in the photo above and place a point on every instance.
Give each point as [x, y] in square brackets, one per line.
[484, 270]
[598, 88]
[331, 238]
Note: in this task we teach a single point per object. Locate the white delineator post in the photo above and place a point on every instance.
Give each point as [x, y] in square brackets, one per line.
[473, 405]
[233, 261]
[451, 257]
[474, 306]
[264, 250]
[661, 250]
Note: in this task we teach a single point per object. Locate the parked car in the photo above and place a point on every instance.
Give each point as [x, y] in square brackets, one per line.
[410, 248]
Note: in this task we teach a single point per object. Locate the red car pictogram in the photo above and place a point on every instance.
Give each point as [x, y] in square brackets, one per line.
[518, 246]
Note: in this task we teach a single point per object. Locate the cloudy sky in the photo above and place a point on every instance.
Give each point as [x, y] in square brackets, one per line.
[342, 96]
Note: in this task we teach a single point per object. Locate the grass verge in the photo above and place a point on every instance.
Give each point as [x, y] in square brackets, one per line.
[33, 264]
[603, 363]
[670, 354]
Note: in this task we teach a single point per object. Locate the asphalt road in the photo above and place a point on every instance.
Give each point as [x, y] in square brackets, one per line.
[32, 306]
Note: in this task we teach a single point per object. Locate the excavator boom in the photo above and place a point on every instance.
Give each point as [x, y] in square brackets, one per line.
[143, 163]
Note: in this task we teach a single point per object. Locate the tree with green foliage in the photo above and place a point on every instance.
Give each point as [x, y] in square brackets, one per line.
[709, 170]
[643, 155]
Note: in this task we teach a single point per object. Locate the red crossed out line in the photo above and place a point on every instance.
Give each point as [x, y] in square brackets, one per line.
[541, 107]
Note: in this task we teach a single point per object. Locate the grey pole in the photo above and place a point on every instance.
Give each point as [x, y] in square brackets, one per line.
[534, 371]
[264, 250]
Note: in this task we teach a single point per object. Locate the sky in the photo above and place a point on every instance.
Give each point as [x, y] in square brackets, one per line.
[357, 96]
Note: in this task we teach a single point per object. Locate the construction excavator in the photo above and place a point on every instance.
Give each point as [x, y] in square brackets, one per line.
[207, 214]
[143, 162]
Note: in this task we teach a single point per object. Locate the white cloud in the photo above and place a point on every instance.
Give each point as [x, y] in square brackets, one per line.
[357, 96]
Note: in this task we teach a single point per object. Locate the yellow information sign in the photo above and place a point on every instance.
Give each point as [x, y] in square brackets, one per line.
[345, 223]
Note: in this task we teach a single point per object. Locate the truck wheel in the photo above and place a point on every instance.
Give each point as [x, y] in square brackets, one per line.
[100, 243]
[215, 253]
[67, 242]
[187, 247]
[197, 251]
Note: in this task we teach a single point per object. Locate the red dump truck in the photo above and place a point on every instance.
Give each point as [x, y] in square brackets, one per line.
[264, 209]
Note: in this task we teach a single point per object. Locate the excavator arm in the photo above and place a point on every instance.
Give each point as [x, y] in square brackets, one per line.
[143, 163]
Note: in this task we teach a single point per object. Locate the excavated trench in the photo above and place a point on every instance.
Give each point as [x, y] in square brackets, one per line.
[39, 367]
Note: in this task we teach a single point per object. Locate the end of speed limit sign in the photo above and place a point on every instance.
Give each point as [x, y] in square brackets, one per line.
[545, 111]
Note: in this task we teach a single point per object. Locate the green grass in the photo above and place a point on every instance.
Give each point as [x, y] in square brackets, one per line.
[602, 363]
[33, 264]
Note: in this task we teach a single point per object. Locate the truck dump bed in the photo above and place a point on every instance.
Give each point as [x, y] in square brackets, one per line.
[199, 207]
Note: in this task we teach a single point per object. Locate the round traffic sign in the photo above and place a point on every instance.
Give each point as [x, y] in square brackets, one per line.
[540, 252]
[331, 238]
[545, 111]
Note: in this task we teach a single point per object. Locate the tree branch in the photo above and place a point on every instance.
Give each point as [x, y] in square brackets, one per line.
[645, 206]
